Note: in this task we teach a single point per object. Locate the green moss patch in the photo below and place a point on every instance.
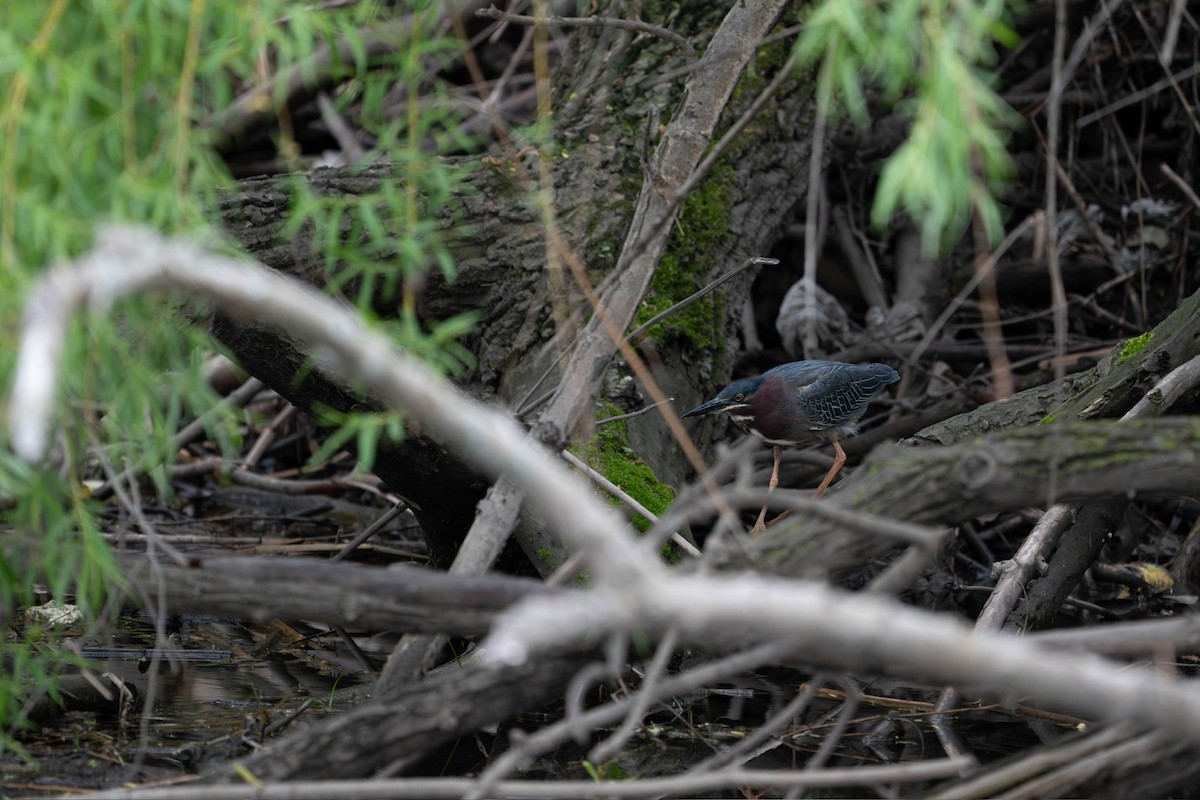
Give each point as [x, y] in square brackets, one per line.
[609, 453]
[1131, 347]
[703, 223]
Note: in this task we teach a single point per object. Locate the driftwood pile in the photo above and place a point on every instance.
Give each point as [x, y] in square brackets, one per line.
[1030, 477]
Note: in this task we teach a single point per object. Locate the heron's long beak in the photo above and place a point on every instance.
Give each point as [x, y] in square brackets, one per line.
[711, 407]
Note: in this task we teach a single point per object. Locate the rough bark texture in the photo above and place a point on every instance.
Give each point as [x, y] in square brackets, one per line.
[396, 733]
[1077, 551]
[999, 472]
[1107, 390]
[609, 85]
[398, 598]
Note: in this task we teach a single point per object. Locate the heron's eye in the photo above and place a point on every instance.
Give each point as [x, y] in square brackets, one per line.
[739, 397]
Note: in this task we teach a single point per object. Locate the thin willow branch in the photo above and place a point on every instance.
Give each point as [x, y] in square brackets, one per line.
[636, 25]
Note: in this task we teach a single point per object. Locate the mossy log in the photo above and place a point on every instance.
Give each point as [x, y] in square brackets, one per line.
[1107, 390]
[1035, 465]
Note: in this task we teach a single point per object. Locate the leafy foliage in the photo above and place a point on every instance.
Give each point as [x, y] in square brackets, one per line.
[106, 118]
[929, 59]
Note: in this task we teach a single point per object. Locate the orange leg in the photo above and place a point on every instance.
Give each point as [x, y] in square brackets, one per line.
[762, 515]
[838, 461]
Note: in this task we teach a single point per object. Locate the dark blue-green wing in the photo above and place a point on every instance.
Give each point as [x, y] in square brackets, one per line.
[839, 396]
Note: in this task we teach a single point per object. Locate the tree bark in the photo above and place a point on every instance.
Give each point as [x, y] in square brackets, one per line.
[610, 84]
[1107, 390]
[397, 732]
[612, 88]
[397, 598]
[1041, 464]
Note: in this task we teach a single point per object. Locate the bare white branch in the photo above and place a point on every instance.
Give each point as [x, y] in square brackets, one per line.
[833, 627]
[633, 593]
[128, 260]
[451, 788]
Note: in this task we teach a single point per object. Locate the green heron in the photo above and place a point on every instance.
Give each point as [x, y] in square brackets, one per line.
[801, 403]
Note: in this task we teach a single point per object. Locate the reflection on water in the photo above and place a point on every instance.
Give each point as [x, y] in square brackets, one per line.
[210, 664]
[212, 688]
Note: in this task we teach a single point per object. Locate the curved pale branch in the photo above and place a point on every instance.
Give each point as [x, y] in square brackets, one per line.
[836, 628]
[127, 261]
[635, 593]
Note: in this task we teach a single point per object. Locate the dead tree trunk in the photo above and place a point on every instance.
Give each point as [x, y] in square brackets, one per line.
[612, 87]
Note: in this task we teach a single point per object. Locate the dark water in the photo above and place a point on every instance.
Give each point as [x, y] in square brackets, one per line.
[211, 691]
